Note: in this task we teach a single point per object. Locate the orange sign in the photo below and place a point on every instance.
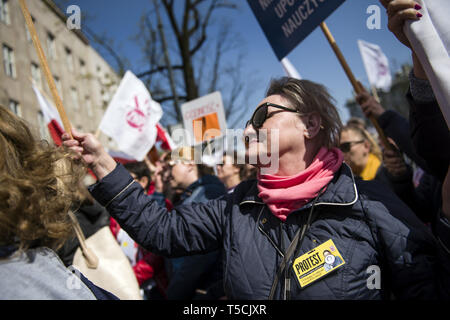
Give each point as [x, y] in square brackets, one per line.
[206, 127]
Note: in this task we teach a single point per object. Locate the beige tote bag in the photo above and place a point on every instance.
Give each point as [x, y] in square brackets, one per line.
[100, 259]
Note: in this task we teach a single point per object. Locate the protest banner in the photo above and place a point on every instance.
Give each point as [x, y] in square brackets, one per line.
[286, 23]
[430, 39]
[204, 118]
[131, 117]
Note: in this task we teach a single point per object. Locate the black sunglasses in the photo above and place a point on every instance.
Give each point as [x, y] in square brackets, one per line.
[260, 115]
[346, 146]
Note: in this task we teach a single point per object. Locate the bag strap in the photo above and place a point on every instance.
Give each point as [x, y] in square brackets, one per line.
[299, 235]
[91, 258]
[289, 252]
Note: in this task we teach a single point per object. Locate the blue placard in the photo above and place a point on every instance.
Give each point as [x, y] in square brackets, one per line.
[287, 22]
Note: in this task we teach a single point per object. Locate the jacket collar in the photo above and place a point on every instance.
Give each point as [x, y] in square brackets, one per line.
[341, 191]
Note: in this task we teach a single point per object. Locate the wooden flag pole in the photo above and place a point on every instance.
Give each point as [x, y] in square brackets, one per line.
[375, 94]
[45, 67]
[352, 79]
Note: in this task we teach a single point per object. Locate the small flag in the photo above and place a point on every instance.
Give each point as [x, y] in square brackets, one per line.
[376, 64]
[164, 137]
[131, 117]
[51, 116]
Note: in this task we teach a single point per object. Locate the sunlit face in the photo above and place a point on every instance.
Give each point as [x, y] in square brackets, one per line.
[282, 132]
[227, 169]
[178, 175]
[357, 157]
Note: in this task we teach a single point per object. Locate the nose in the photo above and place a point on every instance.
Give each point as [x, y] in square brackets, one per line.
[249, 130]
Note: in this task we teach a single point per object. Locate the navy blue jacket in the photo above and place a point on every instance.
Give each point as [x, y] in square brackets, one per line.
[367, 225]
[200, 271]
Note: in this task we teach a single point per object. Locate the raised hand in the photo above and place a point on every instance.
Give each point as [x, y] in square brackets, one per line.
[87, 147]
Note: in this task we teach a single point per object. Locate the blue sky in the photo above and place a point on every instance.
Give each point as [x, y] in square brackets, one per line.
[313, 58]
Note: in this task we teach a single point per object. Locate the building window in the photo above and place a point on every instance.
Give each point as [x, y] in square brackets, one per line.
[28, 32]
[43, 128]
[69, 59]
[51, 46]
[4, 12]
[9, 61]
[74, 95]
[36, 75]
[15, 107]
[58, 86]
[83, 68]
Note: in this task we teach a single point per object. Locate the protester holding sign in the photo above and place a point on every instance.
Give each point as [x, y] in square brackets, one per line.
[269, 228]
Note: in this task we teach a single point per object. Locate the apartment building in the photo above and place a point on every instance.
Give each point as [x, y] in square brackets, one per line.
[85, 81]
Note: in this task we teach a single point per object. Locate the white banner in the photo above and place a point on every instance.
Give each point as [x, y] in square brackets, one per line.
[430, 39]
[376, 64]
[131, 117]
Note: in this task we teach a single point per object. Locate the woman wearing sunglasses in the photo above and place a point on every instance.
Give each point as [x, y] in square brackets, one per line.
[269, 228]
[361, 152]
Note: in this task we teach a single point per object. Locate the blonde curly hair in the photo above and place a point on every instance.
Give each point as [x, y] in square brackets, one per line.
[38, 184]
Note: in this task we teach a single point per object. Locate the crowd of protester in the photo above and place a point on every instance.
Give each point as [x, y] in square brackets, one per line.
[191, 232]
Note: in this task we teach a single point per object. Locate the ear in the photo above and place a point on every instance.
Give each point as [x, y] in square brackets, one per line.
[367, 145]
[312, 122]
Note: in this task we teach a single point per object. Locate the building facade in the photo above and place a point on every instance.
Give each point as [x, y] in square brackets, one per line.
[85, 81]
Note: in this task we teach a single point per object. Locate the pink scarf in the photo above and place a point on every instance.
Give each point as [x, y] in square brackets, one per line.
[286, 194]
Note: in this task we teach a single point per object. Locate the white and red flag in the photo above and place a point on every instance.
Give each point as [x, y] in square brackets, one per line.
[131, 117]
[165, 139]
[51, 116]
[376, 64]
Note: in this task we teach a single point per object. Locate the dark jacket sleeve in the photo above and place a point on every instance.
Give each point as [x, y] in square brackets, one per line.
[186, 230]
[397, 128]
[430, 135]
[415, 265]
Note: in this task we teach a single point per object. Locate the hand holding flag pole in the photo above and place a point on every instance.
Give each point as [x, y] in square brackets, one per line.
[357, 86]
[45, 67]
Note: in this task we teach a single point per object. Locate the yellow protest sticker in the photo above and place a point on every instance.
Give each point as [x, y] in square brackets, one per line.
[317, 263]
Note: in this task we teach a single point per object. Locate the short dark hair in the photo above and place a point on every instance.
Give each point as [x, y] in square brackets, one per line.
[307, 96]
[140, 169]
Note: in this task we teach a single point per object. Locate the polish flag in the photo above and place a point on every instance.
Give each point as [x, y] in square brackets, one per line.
[51, 117]
[164, 137]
